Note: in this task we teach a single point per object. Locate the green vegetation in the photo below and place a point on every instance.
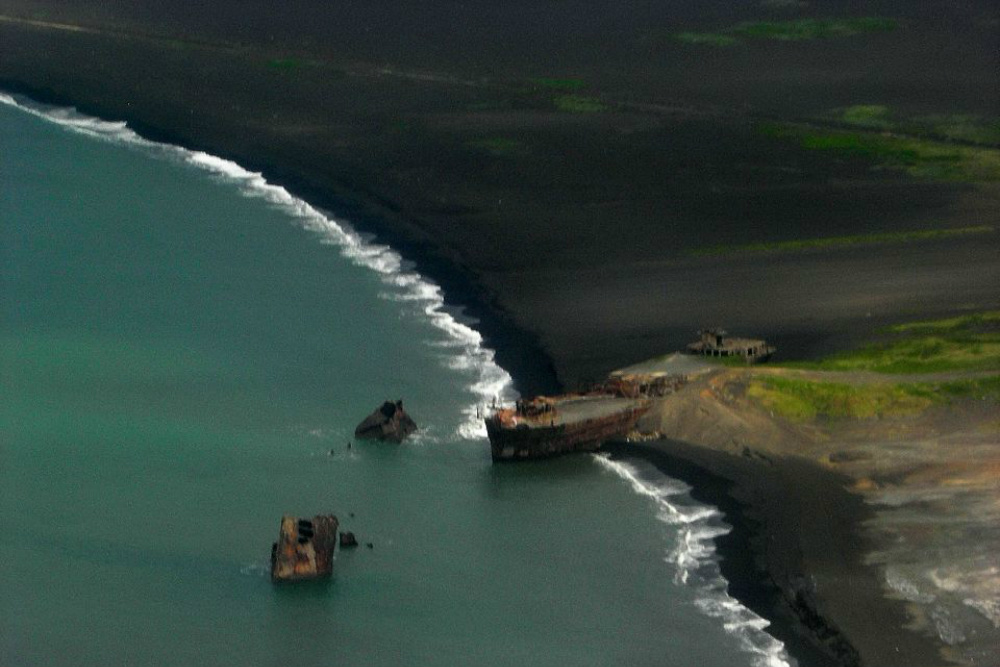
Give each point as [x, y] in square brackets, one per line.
[952, 324]
[285, 63]
[957, 127]
[497, 146]
[803, 400]
[578, 104]
[872, 116]
[567, 84]
[919, 157]
[985, 388]
[790, 31]
[967, 343]
[713, 38]
[844, 241]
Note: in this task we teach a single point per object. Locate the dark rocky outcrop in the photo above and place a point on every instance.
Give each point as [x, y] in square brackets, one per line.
[388, 422]
[347, 539]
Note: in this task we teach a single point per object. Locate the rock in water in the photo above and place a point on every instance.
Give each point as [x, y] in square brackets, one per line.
[389, 422]
[347, 539]
[304, 549]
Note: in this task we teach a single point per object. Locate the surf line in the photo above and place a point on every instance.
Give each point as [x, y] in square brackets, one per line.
[693, 558]
[469, 355]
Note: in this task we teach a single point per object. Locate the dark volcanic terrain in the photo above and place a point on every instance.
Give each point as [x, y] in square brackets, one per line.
[596, 181]
[558, 166]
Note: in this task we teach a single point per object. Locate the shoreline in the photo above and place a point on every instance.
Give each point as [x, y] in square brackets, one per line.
[767, 557]
[516, 350]
[714, 476]
[608, 186]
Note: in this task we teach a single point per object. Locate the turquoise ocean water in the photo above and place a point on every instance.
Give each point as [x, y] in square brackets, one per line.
[184, 353]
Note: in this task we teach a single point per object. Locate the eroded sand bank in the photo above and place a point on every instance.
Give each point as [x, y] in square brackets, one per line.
[878, 534]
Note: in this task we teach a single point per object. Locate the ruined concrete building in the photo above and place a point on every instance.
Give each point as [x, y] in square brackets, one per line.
[716, 343]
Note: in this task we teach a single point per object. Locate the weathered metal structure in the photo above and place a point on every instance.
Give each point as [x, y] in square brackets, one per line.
[388, 422]
[304, 549]
[716, 343]
[545, 426]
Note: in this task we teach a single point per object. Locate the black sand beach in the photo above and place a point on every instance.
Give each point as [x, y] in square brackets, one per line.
[561, 168]
[795, 554]
[558, 186]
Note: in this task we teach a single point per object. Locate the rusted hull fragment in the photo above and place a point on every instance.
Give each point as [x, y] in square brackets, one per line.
[524, 441]
[304, 549]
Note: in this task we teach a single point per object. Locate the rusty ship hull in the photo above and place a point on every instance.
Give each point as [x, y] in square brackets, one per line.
[578, 424]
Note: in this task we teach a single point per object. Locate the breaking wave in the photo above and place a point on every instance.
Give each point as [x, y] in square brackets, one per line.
[694, 562]
[466, 352]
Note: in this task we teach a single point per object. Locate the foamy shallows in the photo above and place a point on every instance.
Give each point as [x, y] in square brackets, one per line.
[693, 556]
[490, 382]
[186, 350]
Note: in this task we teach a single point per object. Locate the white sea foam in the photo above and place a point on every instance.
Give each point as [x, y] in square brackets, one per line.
[988, 607]
[466, 350]
[906, 588]
[257, 569]
[693, 558]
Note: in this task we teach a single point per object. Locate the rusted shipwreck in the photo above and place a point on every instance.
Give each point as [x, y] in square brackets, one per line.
[388, 422]
[717, 343]
[304, 549]
[547, 426]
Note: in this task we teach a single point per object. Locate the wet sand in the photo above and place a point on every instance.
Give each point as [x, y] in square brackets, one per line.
[795, 554]
[567, 232]
[874, 539]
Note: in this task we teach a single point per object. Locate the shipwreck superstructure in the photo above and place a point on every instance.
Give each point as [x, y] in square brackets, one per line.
[547, 426]
[550, 425]
[717, 343]
[304, 549]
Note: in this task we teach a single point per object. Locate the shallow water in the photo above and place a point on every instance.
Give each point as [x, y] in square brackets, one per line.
[185, 351]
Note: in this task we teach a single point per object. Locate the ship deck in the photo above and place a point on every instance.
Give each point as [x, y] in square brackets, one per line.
[581, 408]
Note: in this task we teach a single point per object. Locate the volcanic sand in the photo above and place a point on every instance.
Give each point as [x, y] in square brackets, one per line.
[558, 167]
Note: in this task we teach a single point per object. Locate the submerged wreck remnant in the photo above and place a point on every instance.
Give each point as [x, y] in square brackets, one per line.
[388, 422]
[716, 343]
[546, 426]
[304, 549]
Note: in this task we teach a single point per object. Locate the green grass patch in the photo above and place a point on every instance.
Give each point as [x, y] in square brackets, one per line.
[798, 30]
[711, 38]
[956, 344]
[955, 127]
[918, 157]
[984, 389]
[578, 104]
[962, 323]
[874, 116]
[958, 127]
[286, 64]
[828, 242]
[802, 400]
[567, 84]
[922, 354]
[498, 146]
[966, 343]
